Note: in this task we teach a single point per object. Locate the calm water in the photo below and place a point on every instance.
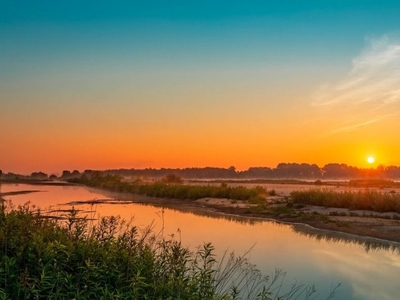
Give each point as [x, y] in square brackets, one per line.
[366, 268]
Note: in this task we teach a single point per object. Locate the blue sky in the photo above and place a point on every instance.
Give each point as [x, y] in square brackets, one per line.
[187, 34]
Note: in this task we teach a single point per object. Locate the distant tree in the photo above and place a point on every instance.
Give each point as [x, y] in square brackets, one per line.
[39, 175]
[89, 173]
[53, 177]
[66, 174]
[392, 172]
[335, 170]
[231, 172]
[258, 172]
[75, 173]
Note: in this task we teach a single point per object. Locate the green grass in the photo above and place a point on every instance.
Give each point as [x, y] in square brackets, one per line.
[163, 189]
[45, 258]
[378, 183]
[360, 200]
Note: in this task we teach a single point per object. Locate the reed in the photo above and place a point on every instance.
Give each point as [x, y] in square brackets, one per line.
[174, 190]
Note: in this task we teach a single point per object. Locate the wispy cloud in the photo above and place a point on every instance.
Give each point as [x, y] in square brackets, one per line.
[370, 92]
[355, 125]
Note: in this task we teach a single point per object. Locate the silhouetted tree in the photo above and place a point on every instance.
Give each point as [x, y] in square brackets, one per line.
[53, 177]
[258, 172]
[392, 172]
[75, 173]
[39, 175]
[66, 174]
[335, 170]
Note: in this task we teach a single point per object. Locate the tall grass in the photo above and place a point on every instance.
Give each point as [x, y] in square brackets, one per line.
[172, 190]
[46, 258]
[363, 199]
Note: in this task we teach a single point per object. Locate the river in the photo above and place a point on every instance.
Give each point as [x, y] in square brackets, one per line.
[366, 268]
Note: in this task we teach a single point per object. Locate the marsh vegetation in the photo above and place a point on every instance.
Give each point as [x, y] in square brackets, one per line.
[74, 258]
[171, 187]
[365, 199]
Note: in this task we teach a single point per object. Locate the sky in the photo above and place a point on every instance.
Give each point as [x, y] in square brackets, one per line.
[137, 84]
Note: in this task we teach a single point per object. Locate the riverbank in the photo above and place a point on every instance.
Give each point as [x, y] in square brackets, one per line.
[385, 226]
[361, 223]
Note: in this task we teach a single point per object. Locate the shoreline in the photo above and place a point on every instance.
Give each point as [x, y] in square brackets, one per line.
[371, 228]
[380, 229]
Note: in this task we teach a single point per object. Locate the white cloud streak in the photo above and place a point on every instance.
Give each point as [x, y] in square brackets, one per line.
[370, 92]
[356, 125]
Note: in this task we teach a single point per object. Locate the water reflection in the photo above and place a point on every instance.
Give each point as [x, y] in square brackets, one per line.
[366, 243]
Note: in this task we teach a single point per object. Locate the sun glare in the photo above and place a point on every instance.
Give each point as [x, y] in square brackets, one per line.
[370, 160]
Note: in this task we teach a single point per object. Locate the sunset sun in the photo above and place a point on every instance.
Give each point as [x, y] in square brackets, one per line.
[370, 159]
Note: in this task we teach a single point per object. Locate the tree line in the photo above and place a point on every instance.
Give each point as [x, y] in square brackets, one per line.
[282, 170]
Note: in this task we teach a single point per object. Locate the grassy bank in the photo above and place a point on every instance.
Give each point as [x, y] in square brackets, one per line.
[361, 200]
[172, 190]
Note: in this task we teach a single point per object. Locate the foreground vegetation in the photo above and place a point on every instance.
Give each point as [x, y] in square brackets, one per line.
[70, 258]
